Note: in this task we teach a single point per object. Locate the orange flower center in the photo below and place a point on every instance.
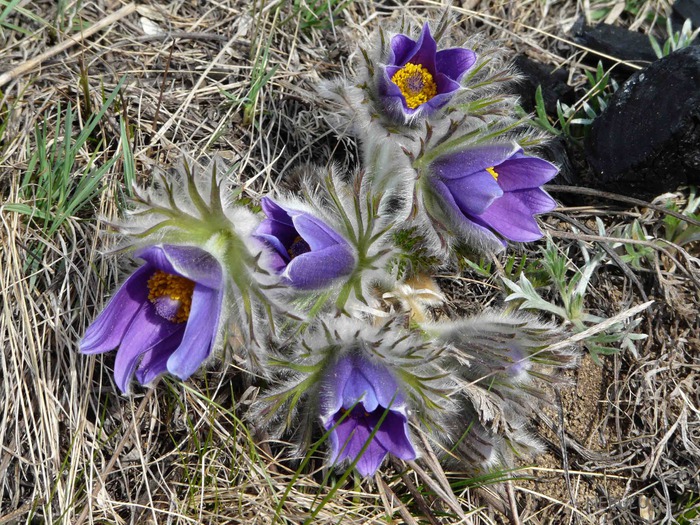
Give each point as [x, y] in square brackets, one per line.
[174, 287]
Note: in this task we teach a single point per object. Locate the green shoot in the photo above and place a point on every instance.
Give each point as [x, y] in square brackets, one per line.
[570, 285]
[676, 39]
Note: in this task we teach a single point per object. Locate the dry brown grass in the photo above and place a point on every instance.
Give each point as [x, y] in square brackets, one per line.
[73, 451]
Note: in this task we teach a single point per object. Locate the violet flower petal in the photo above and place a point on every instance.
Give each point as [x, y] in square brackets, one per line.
[386, 389]
[454, 62]
[315, 232]
[317, 269]
[424, 52]
[155, 361]
[146, 330]
[393, 436]
[474, 193]
[335, 381]
[352, 434]
[278, 256]
[108, 329]
[200, 332]
[188, 261]
[512, 214]
[371, 459]
[278, 223]
[402, 48]
[278, 237]
[339, 436]
[357, 388]
[275, 212]
[521, 172]
[471, 160]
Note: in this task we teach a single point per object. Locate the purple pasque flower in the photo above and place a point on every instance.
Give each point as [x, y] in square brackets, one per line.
[418, 77]
[495, 188]
[357, 393]
[305, 251]
[164, 318]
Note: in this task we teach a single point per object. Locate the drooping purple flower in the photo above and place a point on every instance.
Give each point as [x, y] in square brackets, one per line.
[418, 77]
[164, 318]
[495, 188]
[305, 251]
[357, 394]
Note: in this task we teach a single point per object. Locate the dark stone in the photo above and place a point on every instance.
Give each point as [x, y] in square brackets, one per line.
[553, 82]
[647, 141]
[684, 9]
[563, 154]
[616, 42]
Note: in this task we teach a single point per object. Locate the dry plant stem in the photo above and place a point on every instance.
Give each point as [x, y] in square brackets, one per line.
[389, 498]
[115, 456]
[12, 516]
[571, 443]
[564, 451]
[182, 35]
[448, 498]
[493, 499]
[162, 86]
[492, 21]
[70, 41]
[434, 464]
[620, 198]
[599, 238]
[420, 500]
[600, 327]
[514, 515]
[661, 446]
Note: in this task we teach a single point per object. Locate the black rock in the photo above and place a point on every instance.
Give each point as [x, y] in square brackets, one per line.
[685, 9]
[553, 82]
[616, 42]
[564, 155]
[647, 141]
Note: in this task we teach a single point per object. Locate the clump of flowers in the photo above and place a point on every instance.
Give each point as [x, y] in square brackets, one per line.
[328, 293]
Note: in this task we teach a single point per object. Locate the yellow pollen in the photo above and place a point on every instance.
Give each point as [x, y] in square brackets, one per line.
[416, 84]
[493, 173]
[174, 286]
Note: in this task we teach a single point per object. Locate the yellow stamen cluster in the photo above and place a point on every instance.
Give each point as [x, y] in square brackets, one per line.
[174, 286]
[493, 172]
[416, 84]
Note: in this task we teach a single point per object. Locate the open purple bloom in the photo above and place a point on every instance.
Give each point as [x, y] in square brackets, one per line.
[418, 77]
[164, 318]
[495, 188]
[307, 252]
[358, 393]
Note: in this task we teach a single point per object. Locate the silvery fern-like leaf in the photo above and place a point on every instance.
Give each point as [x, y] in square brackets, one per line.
[505, 367]
[525, 292]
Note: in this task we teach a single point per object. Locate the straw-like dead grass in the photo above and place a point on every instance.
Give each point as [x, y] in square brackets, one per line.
[236, 78]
